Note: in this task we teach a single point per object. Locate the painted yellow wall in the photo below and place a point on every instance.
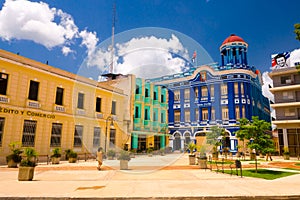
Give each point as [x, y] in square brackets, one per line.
[20, 71]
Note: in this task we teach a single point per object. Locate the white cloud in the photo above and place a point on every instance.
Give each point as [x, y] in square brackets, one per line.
[90, 40]
[265, 87]
[295, 57]
[66, 50]
[266, 91]
[36, 21]
[146, 57]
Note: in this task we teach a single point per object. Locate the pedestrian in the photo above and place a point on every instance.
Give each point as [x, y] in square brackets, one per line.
[99, 157]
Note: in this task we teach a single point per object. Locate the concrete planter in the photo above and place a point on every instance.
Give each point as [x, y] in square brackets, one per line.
[202, 163]
[25, 173]
[252, 156]
[12, 164]
[192, 159]
[55, 160]
[123, 164]
[72, 160]
[286, 156]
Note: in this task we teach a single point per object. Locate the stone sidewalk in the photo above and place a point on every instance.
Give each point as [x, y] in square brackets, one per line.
[147, 178]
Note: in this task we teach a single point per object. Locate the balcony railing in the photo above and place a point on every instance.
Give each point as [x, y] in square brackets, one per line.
[59, 108]
[4, 99]
[33, 104]
[99, 115]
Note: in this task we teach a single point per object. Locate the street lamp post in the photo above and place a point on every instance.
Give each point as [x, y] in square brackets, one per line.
[109, 118]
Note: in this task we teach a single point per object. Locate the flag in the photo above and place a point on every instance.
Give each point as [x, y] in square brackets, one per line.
[194, 57]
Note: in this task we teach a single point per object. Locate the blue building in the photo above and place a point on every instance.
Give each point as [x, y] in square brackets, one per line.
[214, 95]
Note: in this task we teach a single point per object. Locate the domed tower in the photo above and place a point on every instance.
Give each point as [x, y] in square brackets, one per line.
[234, 52]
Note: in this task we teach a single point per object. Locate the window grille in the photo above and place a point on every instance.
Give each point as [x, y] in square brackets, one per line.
[224, 89]
[196, 114]
[113, 107]
[78, 136]
[213, 114]
[177, 95]
[155, 95]
[204, 114]
[147, 92]
[162, 98]
[136, 113]
[162, 118]
[2, 119]
[225, 113]
[147, 114]
[80, 100]
[3, 83]
[96, 139]
[177, 116]
[33, 90]
[187, 94]
[59, 96]
[112, 138]
[154, 116]
[98, 104]
[187, 115]
[237, 112]
[56, 135]
[29, 129]
[212, 91]
[204, 92]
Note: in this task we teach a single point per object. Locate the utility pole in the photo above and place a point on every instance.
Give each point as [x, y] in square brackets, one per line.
[111, 67]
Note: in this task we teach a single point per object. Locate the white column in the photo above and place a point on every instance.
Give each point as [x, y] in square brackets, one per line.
[171, 143]
[182, 143]
[285, 138]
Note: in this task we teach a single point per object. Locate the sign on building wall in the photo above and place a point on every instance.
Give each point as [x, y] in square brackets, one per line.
[286, 59]
[281, 60]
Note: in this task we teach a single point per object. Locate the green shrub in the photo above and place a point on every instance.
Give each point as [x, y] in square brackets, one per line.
[124, 155]
[56, 153]
[16, 152]
[30, 160]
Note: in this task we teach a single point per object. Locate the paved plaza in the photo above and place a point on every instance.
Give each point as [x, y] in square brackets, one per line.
[157, 177]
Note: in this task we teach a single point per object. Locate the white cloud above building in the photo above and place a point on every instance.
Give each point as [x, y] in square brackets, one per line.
[37, 22]
[146, 57]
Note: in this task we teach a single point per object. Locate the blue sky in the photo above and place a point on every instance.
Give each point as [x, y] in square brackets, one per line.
[67, 37]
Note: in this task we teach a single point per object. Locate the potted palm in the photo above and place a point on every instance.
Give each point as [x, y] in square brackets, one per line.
[27, 165]
[14, 158]
[202, 159]
[192, 158]
[56, 155]
[111, 154]
[150, 151]
[72, 156]
[124, 158]
[286, 153]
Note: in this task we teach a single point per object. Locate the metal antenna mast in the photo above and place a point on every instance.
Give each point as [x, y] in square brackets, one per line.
[111, 67]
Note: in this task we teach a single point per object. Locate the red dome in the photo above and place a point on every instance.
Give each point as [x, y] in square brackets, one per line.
[233, 38]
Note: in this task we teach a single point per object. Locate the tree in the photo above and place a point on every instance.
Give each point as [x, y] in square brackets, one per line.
[242, 132]
[212, 138]
[256, 134]
[297, 31]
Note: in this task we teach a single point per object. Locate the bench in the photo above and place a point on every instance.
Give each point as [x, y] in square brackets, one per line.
[86, 156]
[43, 158]
[220, 166]
[236, 165]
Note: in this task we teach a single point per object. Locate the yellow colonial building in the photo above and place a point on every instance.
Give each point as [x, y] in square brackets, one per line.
[45, 107]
